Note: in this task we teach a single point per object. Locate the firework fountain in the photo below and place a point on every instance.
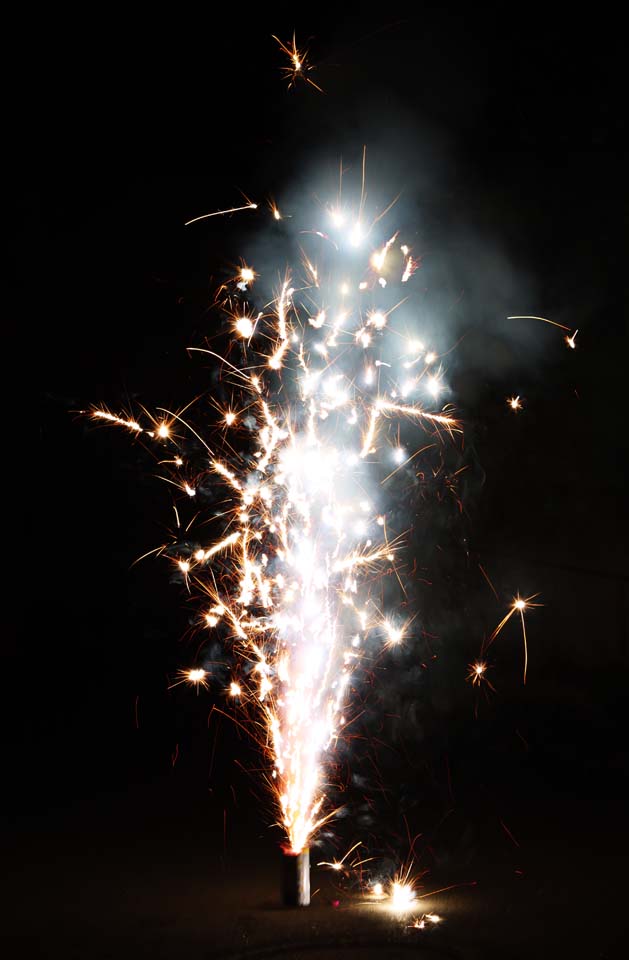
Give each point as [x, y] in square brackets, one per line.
[321, 379]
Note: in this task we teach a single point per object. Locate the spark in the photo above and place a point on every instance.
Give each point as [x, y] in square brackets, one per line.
[569, 339]
[247, 275]
[394, 634]
[544, 319]
[515, 403]
[228, 474]
[244, 327]
[339, 865]
[221, 213]
[377, 319]
[356, 235]
[519, 605]
[195, 677]
[419, 923]
[378, 258]
[442, 419]
[478, 674]
[132, 425]
[410, 266]
[434, 386]
[299, 65]
[218, 547]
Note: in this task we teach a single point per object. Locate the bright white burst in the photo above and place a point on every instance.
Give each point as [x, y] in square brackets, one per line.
[402, 896]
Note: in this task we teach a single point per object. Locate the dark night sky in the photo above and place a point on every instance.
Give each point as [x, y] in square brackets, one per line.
[508, 134]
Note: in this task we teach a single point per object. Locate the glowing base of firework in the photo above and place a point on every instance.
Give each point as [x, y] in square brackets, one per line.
[296, 878]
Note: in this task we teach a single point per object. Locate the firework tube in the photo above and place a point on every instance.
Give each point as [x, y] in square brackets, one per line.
[296, 878]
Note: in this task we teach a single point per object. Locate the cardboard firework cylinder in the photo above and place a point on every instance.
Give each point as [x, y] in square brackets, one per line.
[296, 878]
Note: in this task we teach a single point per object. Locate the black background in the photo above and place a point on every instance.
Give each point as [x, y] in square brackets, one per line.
[509, 129]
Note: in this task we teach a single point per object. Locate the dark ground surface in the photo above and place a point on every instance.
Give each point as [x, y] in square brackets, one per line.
[166, 870]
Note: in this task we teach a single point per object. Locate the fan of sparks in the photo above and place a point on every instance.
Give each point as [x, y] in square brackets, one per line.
[321, 378]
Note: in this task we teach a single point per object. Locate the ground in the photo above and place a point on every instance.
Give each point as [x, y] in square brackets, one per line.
[152, 873]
